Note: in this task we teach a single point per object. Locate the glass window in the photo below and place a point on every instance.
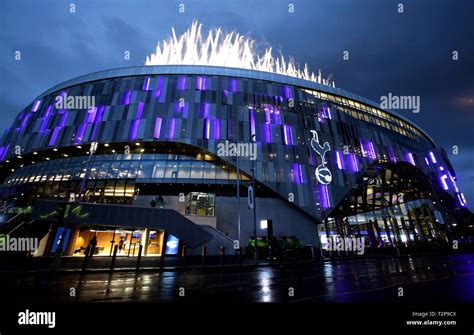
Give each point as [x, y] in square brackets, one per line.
[145, 169]
[159, 169]
[171, 170]
[197, 169]
[184, 169]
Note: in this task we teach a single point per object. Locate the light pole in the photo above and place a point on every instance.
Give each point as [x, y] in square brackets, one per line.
[253, 139]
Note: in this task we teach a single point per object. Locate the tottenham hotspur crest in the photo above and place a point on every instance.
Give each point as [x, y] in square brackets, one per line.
[322, 173]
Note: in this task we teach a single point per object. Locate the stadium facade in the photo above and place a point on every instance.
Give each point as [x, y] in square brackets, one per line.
[154, 162]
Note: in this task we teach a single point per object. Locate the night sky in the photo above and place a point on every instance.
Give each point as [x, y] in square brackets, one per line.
[407, 53]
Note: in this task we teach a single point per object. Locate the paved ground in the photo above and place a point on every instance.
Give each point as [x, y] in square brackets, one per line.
[443, 279]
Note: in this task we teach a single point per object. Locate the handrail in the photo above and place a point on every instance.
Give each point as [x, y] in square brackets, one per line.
[5, 208]
[19, 226]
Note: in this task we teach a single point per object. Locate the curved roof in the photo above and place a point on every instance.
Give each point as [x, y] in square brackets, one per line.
[221, 71]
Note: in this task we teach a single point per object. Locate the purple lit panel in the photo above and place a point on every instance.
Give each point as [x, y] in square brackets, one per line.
[267, 115]
[146, 84]
[172, 130]
[25, 122]
[158, 90]
[432, 156]
[47, 111]
[136, 123]
[427, 161]
[287, 136]
[276, 116]
[126, 98]
[3, 151]
[90, 115]
[204, 110]
[98, 120]
[453, 181]
[328, 113]
[252, 124]
[234, 85]
[324, 197]
[217, 129]
[287, 92]
[371, 150]
[181, 83]
[355, 163]
[54, 136]
[36, 106]
[64, 118]
[340, 161]
[80, 133]
[443, 181]
[157, 131]
[202, 83]
[410, 158]
[207, 128]
[297, 172]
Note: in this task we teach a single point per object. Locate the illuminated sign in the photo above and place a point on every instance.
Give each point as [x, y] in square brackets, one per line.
[172, 244]
[322, 173]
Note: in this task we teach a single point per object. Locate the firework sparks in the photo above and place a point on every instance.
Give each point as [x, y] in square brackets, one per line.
[228, 50]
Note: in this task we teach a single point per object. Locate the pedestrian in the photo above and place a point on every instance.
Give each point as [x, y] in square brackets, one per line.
[93, 244]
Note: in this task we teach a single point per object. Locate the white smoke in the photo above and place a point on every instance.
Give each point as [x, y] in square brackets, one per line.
[229, 50]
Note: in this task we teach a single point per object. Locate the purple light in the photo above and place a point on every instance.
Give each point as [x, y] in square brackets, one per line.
[276, 116]
[433, 159]
[234, 85]
[172, 126]
[126, 98]
[207, 128]
[443, 181]
[410, 159]
[328, 113]
[64, 118]
[298, 173]
[427, 162]
[181, 83]
[355, 163]
[287, 92]
[157, 93]
[201, 83]
[98, 120]
[453, 181]
[461, 202]
[47, 111]
[36, 105]
[252, 124]
[90, 115]
[204, 110]
[267, 115]
[157, 131]
[54, 136]
[146, 84]
[136, 123]
[463, 199]
[3, 151]
[372, 150]
[80, 133]
[217, 129]
[287, 137]
[324, 197]
[339, 160]
[25, 121]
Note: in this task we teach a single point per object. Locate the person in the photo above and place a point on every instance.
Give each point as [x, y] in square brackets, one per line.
[121, 242]
[153, 202]
[93, 244]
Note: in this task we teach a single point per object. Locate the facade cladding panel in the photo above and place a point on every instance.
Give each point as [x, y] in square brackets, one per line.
[293, 120]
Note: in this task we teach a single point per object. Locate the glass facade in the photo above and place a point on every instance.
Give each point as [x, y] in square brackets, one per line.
[314, 145]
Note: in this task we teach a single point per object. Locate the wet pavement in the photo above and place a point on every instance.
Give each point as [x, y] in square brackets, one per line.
[437, 279]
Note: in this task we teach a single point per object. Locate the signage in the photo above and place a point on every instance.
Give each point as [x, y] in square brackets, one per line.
[322, 173]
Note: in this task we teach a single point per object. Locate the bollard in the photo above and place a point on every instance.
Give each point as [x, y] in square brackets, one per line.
[86, 258]
[222, 254]
[203, 256]
[139, 258]
[114, 256]
[183, 256]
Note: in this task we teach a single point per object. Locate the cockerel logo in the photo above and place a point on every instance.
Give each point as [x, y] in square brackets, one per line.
[322, 173]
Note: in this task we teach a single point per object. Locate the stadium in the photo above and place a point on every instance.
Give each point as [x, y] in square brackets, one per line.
[169, 154]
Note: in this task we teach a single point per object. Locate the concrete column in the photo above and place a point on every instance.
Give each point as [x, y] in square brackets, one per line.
[145, 239]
